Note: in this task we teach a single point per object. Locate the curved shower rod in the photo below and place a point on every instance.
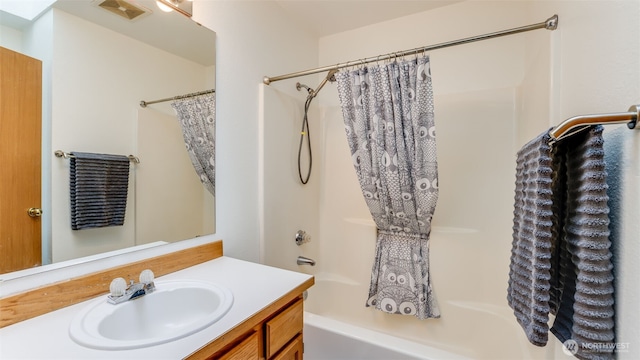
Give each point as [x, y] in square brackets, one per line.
[578, 123]
[549, 24]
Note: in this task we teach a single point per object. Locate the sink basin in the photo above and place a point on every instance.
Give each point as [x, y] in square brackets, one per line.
[176, 308]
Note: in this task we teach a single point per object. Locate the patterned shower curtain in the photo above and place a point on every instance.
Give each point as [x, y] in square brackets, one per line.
[389, 121]
[197, 116]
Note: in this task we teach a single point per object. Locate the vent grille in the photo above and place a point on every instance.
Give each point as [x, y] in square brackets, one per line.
[123, 8]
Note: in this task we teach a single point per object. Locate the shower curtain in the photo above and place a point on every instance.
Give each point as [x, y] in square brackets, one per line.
[389, 122]
[197, 117]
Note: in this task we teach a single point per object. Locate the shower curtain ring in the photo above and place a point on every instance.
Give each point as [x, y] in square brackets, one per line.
[349, 65]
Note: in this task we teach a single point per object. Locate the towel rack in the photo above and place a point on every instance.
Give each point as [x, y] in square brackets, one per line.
[66, 155]
[579, 123]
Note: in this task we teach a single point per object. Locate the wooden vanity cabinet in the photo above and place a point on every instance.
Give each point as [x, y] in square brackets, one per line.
[293, 351]
[283, 329]
[248, 348]
[273, 334]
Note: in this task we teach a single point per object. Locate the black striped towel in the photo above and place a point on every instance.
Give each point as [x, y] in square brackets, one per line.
[560, 257]
[98, 188]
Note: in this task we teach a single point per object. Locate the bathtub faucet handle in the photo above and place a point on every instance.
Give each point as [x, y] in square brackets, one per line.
[302, 237]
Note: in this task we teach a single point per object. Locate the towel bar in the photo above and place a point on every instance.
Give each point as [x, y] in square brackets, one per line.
[62, 154]
[578, 123]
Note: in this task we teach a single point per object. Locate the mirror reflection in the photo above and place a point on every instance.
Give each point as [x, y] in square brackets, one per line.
[97, 66]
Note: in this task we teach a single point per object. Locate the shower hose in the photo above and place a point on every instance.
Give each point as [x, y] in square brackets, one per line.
[305, 131]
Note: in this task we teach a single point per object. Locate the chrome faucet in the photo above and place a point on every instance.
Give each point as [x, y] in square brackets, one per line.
[305, 261]
[120, 292]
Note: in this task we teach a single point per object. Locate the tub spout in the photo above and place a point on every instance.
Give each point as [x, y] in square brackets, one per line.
[305, 261]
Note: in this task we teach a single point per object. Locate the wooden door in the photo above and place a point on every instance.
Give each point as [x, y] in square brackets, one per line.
[20, 160]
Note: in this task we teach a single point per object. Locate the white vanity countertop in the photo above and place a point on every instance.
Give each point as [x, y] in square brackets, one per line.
[254, 287]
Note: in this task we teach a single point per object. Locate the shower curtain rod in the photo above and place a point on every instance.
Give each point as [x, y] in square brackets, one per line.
[145, 103]
[549, 24]
[579, 123]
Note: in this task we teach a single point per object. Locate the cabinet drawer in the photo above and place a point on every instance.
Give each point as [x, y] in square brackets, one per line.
[283, 327]
[293, 351]
[247, 349]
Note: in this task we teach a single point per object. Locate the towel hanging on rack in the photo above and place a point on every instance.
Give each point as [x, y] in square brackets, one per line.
[560, 257]
[98, 189]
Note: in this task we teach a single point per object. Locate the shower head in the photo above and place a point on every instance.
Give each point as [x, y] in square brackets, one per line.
[300, 86]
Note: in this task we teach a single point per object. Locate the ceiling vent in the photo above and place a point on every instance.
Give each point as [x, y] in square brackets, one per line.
[123, 8]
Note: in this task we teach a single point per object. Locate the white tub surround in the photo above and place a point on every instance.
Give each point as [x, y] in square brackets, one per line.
[326, 338]
[254, 288]
[462, 334]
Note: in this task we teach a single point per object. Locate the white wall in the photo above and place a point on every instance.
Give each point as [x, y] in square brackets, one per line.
[289, 205]
[596, 69]
[163, 215]
[491, 97]
[595, 75]
[253, 39]
[477, 108]
[11, 38]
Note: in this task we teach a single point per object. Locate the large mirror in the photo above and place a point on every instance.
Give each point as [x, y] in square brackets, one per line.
[98, 64]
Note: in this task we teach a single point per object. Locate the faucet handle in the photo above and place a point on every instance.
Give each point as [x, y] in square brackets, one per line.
[302, 237]
[118, 287]
[147, 276]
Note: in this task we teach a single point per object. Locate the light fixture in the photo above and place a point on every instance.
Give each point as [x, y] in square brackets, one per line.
[124, 8]
[163, 7]
[183, 7]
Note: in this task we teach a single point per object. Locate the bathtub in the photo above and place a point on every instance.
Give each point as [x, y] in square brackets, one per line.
[328, 339]
[339, 327]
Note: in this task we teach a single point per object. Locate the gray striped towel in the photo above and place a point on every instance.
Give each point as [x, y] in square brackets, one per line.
[98, 186]
[560, 257]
